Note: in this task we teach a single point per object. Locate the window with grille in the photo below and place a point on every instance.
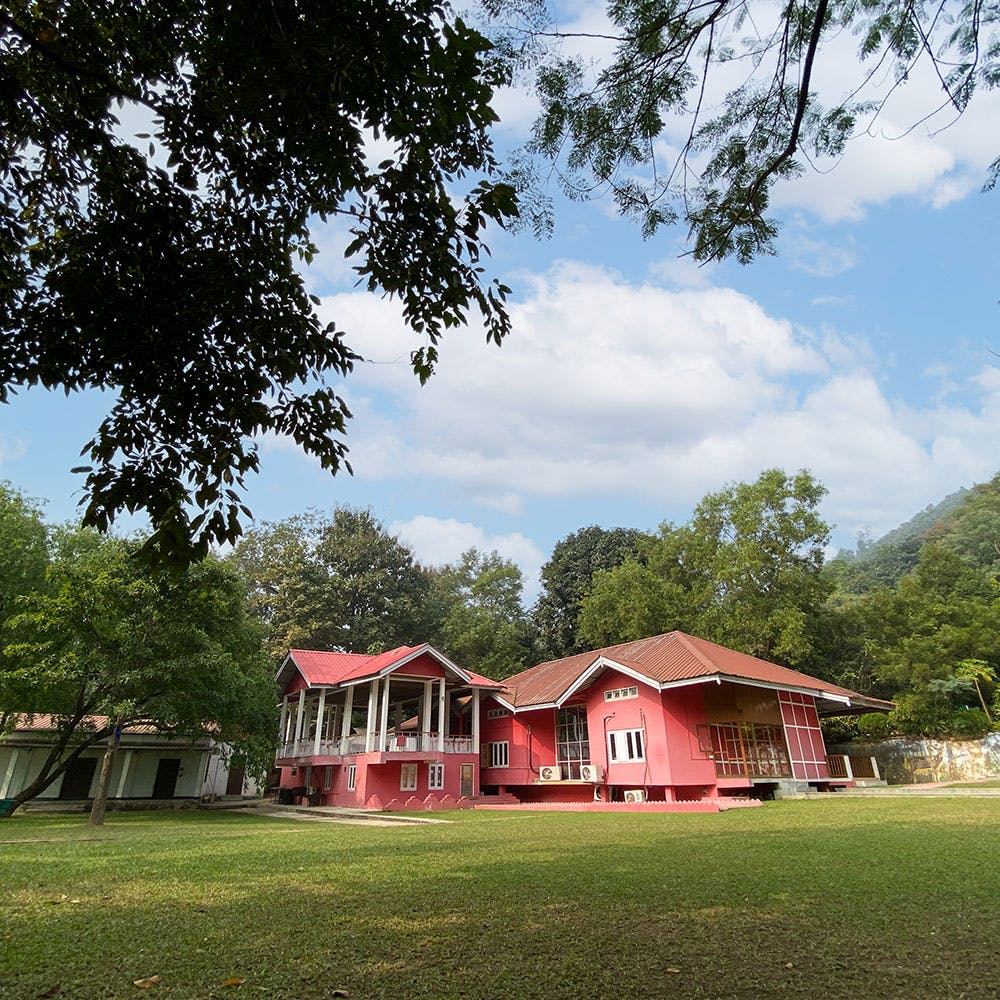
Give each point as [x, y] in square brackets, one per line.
[435, 777]
[572, 740]
[499, 754]
[625, 745]
[352, 777]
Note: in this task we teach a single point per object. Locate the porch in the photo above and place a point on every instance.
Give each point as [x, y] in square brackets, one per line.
[380, 717]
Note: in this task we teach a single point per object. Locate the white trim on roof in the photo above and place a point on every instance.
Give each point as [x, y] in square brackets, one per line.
[603, 663]
[720, 678]
[503, 701]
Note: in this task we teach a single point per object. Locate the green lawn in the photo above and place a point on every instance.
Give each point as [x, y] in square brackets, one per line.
[852, 898]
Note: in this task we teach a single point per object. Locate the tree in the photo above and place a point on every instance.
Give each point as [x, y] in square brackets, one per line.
[484, 626]
[943, 614]
[23, 552]
[744, 572]
[161, 264]
[566, 580]
[662, 127]
[111, 642]
[338, 583]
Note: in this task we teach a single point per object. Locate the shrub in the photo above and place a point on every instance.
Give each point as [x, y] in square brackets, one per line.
[840, 729]
[969, 724]
[876, 726]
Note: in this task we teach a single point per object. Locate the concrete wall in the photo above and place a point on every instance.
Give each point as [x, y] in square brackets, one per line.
[905, 761]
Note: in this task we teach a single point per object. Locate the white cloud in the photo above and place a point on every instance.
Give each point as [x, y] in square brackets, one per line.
[635, 393]
[12, 448]
[820, 258]
[436, 541]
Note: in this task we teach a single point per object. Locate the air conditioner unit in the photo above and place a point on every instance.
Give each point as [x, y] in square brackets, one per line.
[635, 795]
[551, 772]
[591, 772]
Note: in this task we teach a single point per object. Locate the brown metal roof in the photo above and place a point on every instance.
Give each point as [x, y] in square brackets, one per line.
[666, 659]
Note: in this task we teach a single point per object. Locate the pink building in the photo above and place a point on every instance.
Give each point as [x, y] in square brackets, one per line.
[670, 718]
[362, 730]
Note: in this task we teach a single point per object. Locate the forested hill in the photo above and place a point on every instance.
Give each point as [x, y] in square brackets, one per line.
[967, 522]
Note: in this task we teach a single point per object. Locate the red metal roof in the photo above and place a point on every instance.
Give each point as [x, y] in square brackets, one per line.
[320, 668]
[664, 659]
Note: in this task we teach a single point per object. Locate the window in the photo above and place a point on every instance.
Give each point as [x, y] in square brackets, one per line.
[408, 777]
[625, 744]
[499, 754]
[497, 713]
[617, 694]
[352, 777]
[572, 740]
[435, 777]
[328, 779]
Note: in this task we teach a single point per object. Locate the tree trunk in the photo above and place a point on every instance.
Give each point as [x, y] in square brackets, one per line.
[982, 700]
[100, 803]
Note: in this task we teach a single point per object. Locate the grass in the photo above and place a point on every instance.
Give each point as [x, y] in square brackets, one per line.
[849, 898]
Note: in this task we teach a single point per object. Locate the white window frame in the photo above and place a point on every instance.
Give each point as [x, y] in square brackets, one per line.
[328, 779]
[435, 777]
[619, 694]
[408, 771]
[499, 753]
[497, 713]
[352, 777]
[625, 746]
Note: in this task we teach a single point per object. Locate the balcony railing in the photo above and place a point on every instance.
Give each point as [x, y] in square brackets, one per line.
[852, 767]
[425, 742]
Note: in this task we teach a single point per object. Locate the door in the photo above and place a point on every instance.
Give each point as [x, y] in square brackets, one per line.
[78, 778]
[468, 775]
[166, 777]
[234, 783]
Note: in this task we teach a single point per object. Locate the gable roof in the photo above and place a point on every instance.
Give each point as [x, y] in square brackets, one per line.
[323, 669]
[669, 660]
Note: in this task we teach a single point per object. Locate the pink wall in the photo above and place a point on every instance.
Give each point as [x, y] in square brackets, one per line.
[382, 780]
[423, 666]
[683, 712]
[531, 742]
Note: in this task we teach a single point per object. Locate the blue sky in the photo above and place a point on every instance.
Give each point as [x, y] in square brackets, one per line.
[634, 382]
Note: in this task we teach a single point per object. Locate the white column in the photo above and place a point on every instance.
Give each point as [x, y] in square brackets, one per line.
[372, 709]
[425, 715]
[283, 724]
[383, 725]
[300, 715]
[442, 716]
[321, 708]
[475, 721]
[123, 777]
[345, 723]
[8, 777]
